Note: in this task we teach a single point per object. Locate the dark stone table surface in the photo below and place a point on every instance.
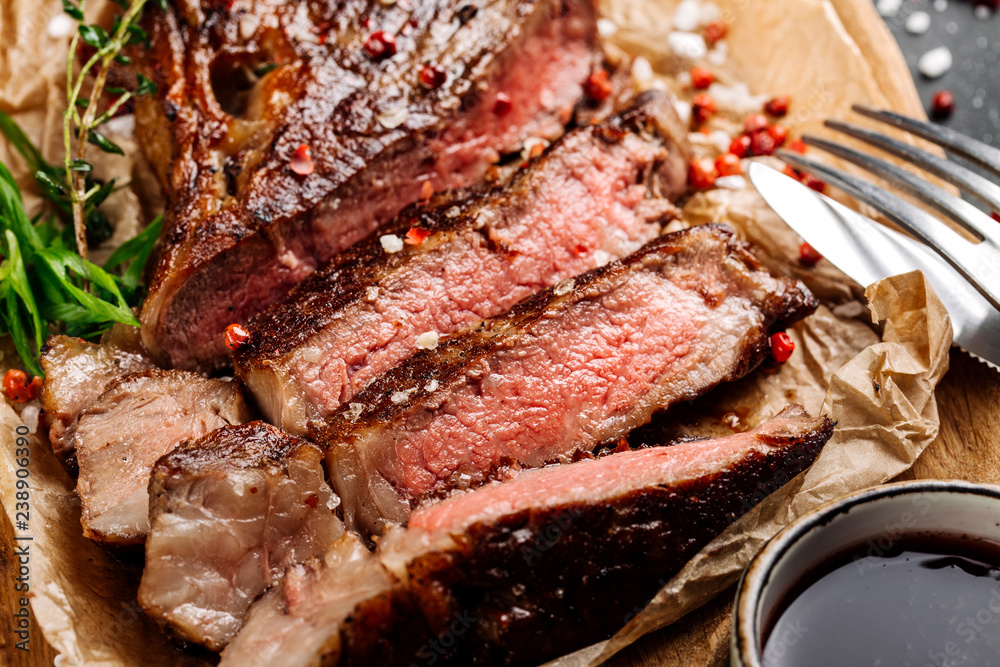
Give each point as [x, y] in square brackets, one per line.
[974, 77]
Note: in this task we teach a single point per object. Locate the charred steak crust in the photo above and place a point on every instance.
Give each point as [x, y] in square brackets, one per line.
[540, 583]
[229, 513]
[242, 91]
[595, 195]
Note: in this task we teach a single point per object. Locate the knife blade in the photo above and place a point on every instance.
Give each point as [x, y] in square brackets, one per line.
[868, 251]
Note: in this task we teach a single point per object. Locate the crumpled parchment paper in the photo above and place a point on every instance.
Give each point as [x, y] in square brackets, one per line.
[826, 54]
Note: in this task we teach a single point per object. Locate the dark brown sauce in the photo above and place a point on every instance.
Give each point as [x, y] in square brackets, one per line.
[914, 601]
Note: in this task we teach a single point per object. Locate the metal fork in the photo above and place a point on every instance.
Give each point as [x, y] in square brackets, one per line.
[978, 262]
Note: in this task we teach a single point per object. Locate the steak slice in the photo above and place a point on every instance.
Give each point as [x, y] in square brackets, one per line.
[565, 371]
[138, 419]
[229, 513]
[526, 570]
[272, 174]
[559, 558]
[300, 620]
[76, 374]
[596, 195]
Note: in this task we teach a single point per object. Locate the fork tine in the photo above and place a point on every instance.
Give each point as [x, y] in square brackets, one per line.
[946, 242]
[969, 181]
[982, 154]
[958, 209]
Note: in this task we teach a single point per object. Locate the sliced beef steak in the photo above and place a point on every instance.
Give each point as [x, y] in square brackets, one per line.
[364, 104]
[299, 622]
[76, 374]
[529, 569]
[596, 195]
[138, 419]
[565, 371]
[229, 513]
[559, 558]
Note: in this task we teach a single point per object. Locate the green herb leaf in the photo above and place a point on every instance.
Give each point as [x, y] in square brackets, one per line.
[93, 35]
[72, 10]
[81, 166]
[105, 144]
[144, 86]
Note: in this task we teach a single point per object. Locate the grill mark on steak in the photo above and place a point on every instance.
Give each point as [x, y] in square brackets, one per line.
[565, 371]
[375, 134]
[585, 201]
[559, 558]
[119, 438]
[76, 374]
[229, 513]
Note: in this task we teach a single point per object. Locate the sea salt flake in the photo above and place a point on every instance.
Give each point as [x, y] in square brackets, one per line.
[371, 293]
[390, 119]
[391, 243]
[606, 27]
[29, 415]
[687, 45]
[399, 397]
[428, 340]
[312, 355]
[431, 386]
[60, 26]
[354, 411]
[889, 8]
[564, 287]
[687, 16]
[918, 23]
[935, 62]
[735, 182]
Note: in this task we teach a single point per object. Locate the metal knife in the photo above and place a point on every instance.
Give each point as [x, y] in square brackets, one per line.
[868, 251]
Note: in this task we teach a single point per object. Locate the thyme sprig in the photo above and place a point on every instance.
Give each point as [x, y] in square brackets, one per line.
[83, 127]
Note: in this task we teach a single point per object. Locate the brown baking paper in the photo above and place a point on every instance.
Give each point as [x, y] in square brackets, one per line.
[826, 55]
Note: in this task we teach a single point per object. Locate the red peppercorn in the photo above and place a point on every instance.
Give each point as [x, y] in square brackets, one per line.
[702, 107]
[740, 146]
[598, 86]
[702, 174]
[236, 336]
[17, 388]
[808, 254]
[782, 347]
[778, 106]
[814, 183]
[433, 76]
[755, 123]
[762, 143]
[380, 45]
[715, 31]
[942, 104]
[416, 235]
[995, 216]
[503, 105]
[701, 78]
[301, 162]
[728, 164]
[779, 133]
[797, 146]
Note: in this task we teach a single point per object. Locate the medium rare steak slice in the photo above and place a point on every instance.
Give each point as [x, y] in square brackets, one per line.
[559, 558]
[76, 374]
[565, 371]
[526, 570]
[596, 195]
[300, 620]
[229, 513]
[295, 128]
[139, 418]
